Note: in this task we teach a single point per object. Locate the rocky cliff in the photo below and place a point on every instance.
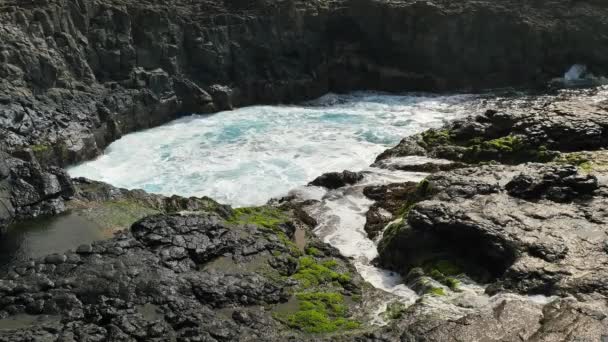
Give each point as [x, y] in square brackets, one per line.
[77, 74]
[478, 240]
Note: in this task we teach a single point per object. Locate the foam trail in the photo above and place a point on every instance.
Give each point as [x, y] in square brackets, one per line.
[249, 155]
[340, 215]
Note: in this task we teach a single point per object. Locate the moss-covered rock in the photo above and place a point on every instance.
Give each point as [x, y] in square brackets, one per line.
[114, 209]
[395, 310]
[313, 251]
[436, 291]
[39, 148]
[273, 219]
[264, 216]
[585, 161]
[492, 136]
[321, 312]
[444, 271]
[423, 190]
[510, 149]
[433, 138]
[312, 273]
[325, 291]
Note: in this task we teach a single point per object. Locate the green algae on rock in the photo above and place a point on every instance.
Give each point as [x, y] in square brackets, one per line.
[321, 312]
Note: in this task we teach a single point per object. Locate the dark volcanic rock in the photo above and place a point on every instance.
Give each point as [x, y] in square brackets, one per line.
[28, 189]
[89, 194]
[558, 184]
[335, 180]
[540, 235]
[172, 277]
[517, 130]
[390, 201]
[76, 75]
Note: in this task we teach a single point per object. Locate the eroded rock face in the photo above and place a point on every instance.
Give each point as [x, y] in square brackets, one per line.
[537, 228]
[517, 130]
[335, 180]
[89, 193]
[29, 190]
[75, 75]
[527, 228]
[390, 201]
[551, 243]
[514, 319]
[173, 277]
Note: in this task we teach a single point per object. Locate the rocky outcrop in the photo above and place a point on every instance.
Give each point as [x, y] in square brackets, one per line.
[552, 243]
[391, 201]
[513, 319]
[89, 192]
[517, 130]
[533, 227]
[493, 227]
[527, 228]
[113, 209]
[29, 190]
[77, 74]
[184, 277]
[335, 180]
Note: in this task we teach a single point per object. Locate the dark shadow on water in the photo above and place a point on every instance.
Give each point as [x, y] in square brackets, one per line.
[39, 237]
[22, 321]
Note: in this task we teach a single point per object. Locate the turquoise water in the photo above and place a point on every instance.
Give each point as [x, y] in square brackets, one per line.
[249, 155]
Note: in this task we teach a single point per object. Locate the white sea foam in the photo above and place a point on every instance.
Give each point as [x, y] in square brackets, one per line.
[249, 155]
[246, 156]
[340, 215]
[575, 72]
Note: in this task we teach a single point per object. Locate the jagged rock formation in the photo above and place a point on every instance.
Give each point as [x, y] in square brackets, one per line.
[77, 74]
[185, 278]
[335, 180]
[533, 228]
[550, 242]
[519, 130]
[28, 189]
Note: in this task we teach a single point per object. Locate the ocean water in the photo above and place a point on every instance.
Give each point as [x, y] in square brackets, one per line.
[249, 155]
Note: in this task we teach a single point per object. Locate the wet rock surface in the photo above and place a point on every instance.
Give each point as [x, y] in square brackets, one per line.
[527, 228]
[335, 180]
[29, 190]
[238, 274]
[176, 277]
[77, 75]
[117, 208]
[533, 245]
[517, 130]
[390, 201]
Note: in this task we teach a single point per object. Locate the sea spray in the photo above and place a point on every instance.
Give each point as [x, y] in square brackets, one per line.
[249, 155]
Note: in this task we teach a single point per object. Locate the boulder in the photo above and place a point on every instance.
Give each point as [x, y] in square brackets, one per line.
[335, 180]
